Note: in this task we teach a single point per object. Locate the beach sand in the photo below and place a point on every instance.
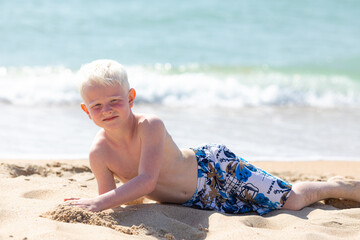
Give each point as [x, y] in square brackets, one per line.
[31, 192]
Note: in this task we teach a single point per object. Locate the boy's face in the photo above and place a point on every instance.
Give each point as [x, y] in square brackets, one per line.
[108, 106]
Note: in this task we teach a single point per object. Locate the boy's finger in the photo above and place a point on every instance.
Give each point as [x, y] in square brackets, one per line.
[68, 199]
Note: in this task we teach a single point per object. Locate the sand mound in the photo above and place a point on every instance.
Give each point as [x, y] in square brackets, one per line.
[70, 214]
[173, 229]
[29, 169]
[57, 168]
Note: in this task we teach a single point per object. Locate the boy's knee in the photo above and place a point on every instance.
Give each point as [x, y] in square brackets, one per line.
[295, 202]
[302, 195]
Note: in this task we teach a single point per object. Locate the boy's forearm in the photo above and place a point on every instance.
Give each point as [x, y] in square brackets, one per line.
[135, 188]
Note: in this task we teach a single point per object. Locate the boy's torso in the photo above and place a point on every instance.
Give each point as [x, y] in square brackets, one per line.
[177, 180]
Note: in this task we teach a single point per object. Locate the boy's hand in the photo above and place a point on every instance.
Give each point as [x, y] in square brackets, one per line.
[86, 203]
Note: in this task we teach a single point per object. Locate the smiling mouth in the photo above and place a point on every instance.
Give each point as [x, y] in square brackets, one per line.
[109, 118]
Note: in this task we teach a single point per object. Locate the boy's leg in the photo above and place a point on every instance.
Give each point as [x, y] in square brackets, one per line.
[306, 193]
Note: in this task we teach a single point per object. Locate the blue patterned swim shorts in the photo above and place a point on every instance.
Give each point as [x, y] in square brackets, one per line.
[229, 184]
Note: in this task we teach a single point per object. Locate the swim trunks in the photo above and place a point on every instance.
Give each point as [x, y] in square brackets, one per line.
[229, 184]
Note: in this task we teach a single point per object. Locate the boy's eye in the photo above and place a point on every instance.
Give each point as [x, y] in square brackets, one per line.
[96, 106]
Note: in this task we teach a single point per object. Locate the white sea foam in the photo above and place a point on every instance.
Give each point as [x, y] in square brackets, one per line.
[186, 86]
[38, 86]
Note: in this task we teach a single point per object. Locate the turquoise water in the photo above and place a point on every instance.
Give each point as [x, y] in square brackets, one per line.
[237, 57]
[310, 36]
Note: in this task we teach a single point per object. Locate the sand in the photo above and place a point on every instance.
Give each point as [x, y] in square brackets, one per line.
[32, 194]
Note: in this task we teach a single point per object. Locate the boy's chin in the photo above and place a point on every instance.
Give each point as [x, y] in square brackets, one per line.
[109, 126]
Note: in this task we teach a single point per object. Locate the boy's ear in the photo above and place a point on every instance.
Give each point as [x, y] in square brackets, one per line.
[131, 96]
[84, 108]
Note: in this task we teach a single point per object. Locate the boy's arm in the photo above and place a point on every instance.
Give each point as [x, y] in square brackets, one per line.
[152, 134]
[104, 177]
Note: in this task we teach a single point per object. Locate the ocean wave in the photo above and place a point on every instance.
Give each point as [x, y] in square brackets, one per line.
[186, 86]
[32, 86]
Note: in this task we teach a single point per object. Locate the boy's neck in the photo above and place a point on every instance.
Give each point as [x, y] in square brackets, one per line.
[123, 134]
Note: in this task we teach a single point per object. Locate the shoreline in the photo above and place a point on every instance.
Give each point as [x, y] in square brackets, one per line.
[335, 167]
[33, 189]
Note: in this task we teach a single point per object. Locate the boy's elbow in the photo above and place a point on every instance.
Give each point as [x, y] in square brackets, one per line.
[150, 184]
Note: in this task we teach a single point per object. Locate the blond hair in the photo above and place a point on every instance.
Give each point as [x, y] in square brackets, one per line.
[103, 72]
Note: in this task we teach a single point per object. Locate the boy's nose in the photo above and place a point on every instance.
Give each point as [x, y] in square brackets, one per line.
[107, 110]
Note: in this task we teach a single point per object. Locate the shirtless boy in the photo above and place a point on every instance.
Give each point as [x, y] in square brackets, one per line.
[137, 150]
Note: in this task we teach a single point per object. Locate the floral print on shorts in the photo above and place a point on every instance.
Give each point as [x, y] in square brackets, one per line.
[229, 184]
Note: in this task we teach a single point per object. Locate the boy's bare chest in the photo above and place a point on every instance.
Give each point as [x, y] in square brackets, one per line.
[124, 162]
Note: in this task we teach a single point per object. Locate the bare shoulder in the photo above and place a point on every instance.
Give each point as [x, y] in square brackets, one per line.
[99, 149]
[150, 123]
[148, 118]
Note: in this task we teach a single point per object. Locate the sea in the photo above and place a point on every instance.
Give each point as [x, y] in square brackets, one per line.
[272, 80]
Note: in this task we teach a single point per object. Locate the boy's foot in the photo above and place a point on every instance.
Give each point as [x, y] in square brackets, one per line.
[349, 189]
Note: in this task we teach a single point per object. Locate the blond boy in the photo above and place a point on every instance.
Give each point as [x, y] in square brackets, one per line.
[137, 150]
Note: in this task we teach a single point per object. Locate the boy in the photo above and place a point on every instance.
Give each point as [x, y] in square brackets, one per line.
[138, 150]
